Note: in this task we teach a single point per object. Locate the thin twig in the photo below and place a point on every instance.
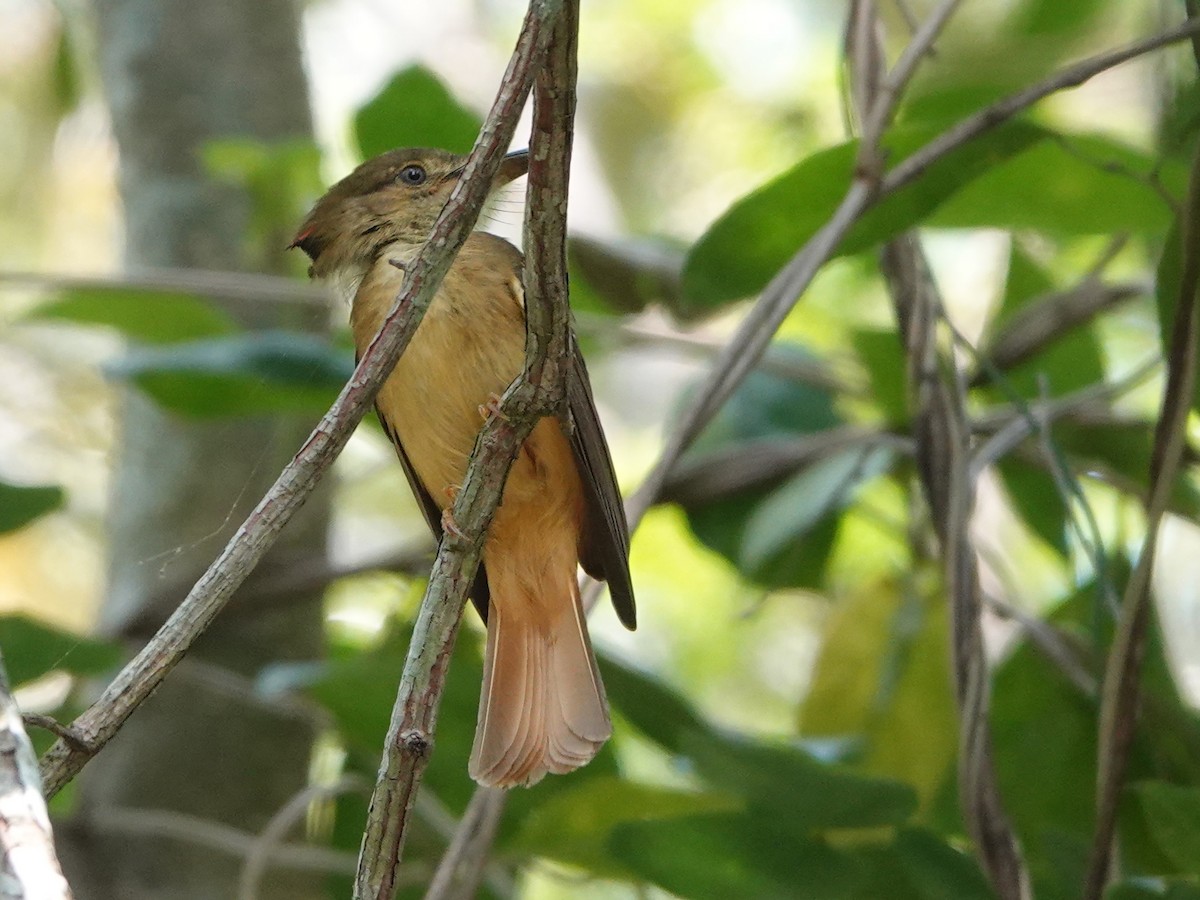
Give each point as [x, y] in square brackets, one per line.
[891, 89]
[1119, 703]
[459, 872]
[259, 853]
[138, 822]
[1000, 112]
[1032, 418]
[540, 391]
[134, 683]
[246, 287]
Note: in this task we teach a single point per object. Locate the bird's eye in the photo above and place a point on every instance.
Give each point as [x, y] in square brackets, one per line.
[411, 175]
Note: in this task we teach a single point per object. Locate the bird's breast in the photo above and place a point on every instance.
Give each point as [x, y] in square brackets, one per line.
[468, 347]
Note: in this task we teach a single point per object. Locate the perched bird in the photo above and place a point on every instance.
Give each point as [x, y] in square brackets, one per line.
[542, 707]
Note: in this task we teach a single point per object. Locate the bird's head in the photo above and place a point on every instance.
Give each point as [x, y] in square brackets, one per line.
[394, 198]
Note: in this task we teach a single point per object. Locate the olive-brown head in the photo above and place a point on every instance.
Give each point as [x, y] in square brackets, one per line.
[394, 198]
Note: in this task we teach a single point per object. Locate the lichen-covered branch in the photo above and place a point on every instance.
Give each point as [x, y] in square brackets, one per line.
[29, 867]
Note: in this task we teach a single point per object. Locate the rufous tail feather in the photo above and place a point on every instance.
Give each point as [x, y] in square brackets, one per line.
[542, 708]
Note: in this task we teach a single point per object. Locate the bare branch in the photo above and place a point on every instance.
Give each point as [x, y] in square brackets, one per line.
[538, 392]
[246, 287]
[235, 842]
[261, 849]
[461, 868]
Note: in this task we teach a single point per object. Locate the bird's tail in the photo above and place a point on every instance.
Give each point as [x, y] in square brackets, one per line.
[542, 708]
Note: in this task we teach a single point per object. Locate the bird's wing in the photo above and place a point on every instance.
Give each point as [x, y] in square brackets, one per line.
[604, 546]
[433, 514]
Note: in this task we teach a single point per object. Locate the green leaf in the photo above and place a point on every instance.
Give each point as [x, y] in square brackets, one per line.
[787, 515]
[1036, 498]
[1062, 19]
[1072, 361]
[752, 240]
[783, 782]
[1167, 286]
[879, 351]
[67, 78]
[1121, 450]
[1099, 186]
[153, 317]
[575, 825]
[20, 505]
[939, 871]
[32, 649]
[359, 690]
[1172, 814]
[1153, 889]
[798, 792]
[656, 710]
[249, 373]
[767, 405]
[721, 856]
[414, 109]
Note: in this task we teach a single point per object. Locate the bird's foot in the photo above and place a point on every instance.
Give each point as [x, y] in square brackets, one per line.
[449, 526]
[492, 408]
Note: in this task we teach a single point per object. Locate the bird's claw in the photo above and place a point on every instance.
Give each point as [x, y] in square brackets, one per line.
[492, 408]
[449, 526]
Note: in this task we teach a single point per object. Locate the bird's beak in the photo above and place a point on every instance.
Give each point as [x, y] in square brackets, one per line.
[511, 168]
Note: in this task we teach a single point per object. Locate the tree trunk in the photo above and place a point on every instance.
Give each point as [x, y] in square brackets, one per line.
[180, 74]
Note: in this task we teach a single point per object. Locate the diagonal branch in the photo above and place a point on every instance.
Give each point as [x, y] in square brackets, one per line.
[539, 391]
[134, 683]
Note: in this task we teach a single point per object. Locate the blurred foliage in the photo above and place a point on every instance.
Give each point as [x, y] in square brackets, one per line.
[20, 505]
[414, 109]
[794, 735]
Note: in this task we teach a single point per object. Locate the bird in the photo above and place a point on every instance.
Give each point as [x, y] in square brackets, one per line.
[542, 703]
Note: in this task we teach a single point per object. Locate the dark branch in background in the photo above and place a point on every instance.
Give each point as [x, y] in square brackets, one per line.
[246, 287]
[1119, 699]
[943, 461]
[28, 862]
[538, 392]
[942, 438]
[462, 865]
[1048, 318]
[134, 683]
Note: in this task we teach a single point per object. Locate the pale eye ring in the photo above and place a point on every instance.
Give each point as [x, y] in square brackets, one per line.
[412, 175]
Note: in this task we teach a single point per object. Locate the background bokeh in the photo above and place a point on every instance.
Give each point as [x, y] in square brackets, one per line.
[789, 685]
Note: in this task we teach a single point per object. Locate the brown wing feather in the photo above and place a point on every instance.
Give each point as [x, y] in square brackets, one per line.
[433, 516]
[604, 545]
